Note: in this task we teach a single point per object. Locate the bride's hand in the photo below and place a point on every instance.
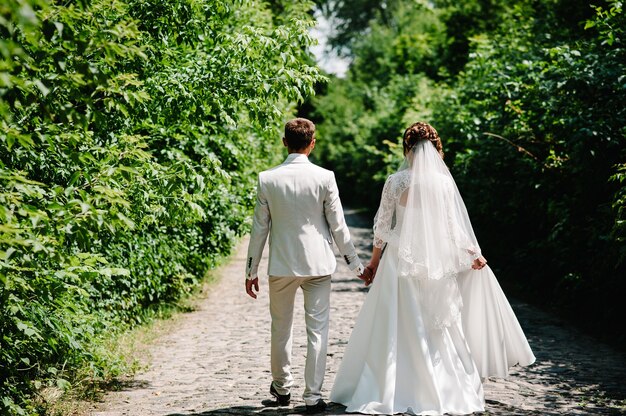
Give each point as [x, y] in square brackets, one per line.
[479, 263]
[371, 270]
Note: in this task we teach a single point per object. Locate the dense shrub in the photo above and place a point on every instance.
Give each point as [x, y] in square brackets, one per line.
[389, 83]
[533, 124]
[130, 134]
[542, 126]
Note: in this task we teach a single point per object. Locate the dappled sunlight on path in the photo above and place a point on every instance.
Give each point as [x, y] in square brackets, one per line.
[215, 361]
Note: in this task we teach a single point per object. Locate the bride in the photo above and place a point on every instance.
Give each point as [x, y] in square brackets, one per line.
[435, 320]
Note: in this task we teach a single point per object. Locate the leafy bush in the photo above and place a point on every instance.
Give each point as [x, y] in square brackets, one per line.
[533, 124]
[390, 79]
[541, 127]
[131, 131]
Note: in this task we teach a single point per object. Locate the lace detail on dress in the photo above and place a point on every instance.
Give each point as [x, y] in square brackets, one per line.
[386, 219]
[441, 301]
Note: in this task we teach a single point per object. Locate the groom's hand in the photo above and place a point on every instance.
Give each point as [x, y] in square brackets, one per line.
[250, 284]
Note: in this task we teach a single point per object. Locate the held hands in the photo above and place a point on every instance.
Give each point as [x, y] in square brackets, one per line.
[479, 263]
[368, 275]
[250, 284]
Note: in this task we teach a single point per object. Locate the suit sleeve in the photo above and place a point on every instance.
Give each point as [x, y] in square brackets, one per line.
[338, 227]
[260, 230]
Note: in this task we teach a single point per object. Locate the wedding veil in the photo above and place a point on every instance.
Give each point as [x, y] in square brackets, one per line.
[431, 227]
[436, 238]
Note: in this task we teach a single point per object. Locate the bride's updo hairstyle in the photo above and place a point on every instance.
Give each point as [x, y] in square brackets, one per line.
[421, 131]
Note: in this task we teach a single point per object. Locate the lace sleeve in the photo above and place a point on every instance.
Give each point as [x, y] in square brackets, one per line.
[383, 221]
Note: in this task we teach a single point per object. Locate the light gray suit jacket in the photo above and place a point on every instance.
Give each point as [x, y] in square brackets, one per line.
[298, 206]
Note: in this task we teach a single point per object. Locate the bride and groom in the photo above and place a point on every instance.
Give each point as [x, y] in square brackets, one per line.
[435, 320]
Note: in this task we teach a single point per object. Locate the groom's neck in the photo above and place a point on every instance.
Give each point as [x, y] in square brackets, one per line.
[305, 152]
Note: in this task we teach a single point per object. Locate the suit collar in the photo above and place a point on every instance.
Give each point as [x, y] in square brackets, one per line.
[296, 158]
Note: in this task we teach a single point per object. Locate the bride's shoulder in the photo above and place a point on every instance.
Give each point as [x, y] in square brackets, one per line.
[397, 181]
[399, 175]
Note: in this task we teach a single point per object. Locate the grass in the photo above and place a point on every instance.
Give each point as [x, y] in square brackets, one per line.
[131, 351]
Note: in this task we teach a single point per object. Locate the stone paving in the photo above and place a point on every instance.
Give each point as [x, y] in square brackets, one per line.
[215, 360]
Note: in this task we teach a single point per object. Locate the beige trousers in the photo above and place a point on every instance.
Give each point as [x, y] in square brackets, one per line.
[316, 291]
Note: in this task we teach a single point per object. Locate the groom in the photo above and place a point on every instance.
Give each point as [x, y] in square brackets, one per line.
[298, 206]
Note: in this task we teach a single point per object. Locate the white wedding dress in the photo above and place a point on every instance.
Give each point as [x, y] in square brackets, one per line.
[421, 345]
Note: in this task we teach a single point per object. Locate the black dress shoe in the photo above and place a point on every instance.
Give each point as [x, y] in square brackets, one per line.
[282, 399]
[318, 407]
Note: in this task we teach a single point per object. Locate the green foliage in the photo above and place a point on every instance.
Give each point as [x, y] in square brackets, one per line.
[619, 205]
[358, 131]
[412, 43]
[352, 18]
[529, 105]
[542, 125]
[130, 134]
[389, 79]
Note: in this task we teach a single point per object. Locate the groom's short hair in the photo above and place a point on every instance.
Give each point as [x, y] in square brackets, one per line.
[299, 133]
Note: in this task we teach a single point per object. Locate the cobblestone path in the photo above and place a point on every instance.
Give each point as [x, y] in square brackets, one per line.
[215, 360]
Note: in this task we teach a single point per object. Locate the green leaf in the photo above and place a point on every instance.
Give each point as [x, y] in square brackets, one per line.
[26, 329]
[74, 178]
[25, 141]
[10, 141]
[63, 384]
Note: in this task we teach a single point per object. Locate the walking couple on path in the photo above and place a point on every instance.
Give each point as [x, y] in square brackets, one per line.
[435, 320]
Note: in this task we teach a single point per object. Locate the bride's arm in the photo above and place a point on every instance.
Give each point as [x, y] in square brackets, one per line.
[382, 229]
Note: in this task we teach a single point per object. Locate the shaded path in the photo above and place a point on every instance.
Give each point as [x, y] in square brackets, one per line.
[216, 359]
